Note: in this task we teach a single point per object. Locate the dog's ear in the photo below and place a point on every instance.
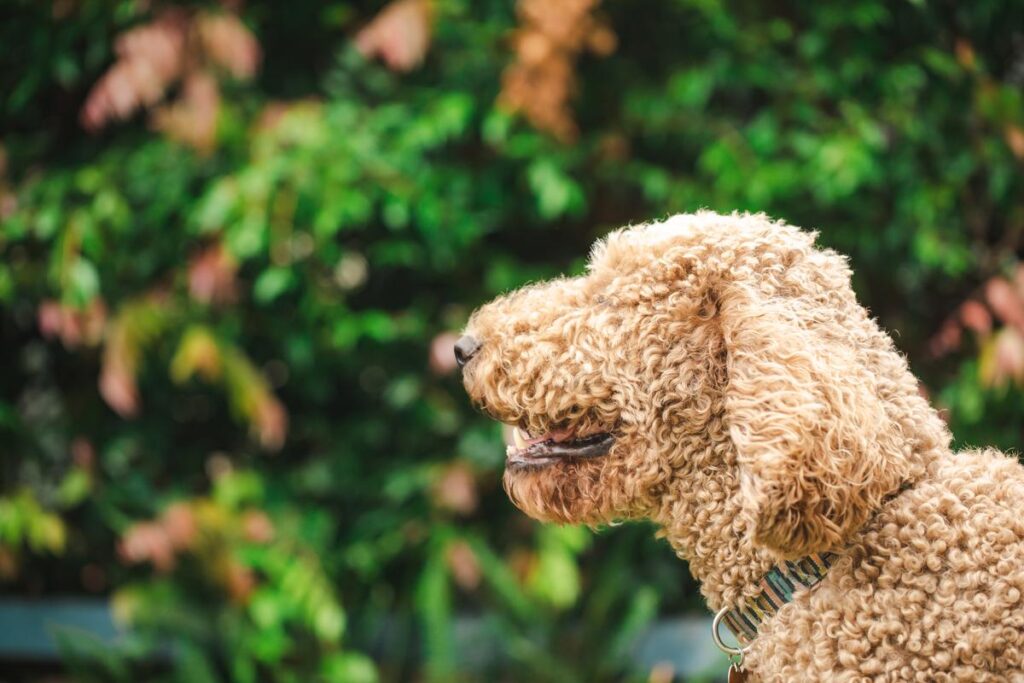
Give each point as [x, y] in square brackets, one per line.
[816, 446]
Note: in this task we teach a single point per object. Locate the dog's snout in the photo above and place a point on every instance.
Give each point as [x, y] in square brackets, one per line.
[465, 349]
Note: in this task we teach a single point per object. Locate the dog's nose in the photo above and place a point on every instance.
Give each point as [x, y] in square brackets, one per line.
[465, 349]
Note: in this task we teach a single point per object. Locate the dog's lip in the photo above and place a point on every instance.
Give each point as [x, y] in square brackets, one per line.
[556, 446]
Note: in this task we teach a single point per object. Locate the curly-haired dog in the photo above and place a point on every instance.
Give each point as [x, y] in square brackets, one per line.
[716, 374]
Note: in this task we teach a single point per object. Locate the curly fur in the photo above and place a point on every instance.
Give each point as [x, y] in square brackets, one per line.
[761, 414]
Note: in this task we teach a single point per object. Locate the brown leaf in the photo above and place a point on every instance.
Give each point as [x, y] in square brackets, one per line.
[179, 523]
[117, 386]
[1005, 302]
[8, 204]
[464, 565]
[1010, 355]
[150, 58]
[9, 565]
[975, 317]
[1015, 140]
[212, 276]
[74, 326]
[228, 43]
[240, 582]
[442, 353]
[568, 22]
[541, 81]
[177, 45]
[93, 321]
[522, 563]
[602, 41]
[192, 118]
[117, 373]
[83, 454]
[455, 489]
[399, 35]
[964, 52]
[533, 47]
[252, 398]
[147, 541]
[1018, 279]
[257, 527]
[50, 318]
[1002, 359]
[270, 423]
[947, 339]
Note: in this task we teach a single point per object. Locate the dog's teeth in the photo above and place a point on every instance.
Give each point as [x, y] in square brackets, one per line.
[518, 439]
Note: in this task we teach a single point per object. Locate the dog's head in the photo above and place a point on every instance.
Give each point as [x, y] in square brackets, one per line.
[726, 350]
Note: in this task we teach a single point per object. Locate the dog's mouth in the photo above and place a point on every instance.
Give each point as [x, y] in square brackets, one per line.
[555, 446]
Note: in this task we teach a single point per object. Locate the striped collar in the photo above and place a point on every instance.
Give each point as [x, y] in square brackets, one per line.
[781, 584]
[778, 587]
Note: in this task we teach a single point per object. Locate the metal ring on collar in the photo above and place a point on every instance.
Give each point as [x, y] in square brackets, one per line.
[717, 637]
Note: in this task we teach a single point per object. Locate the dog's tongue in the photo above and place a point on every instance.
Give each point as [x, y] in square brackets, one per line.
[557, 435]
[520, 439]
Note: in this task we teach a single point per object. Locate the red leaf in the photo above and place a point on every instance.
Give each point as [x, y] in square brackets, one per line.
[229, 44]
[399, 35]
[270, 422]
[150, 58]
[455, 489]
[211, 276]
[1015, 140]
[1005, 302]
[147, 541]
[946, 339]
[975, 317]
[464, 566]
[192, 119]
[442, 353]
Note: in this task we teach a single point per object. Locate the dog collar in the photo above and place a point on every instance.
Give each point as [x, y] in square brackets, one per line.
[778, 587]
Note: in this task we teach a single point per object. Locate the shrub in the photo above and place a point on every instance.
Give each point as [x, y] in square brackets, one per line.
[230, 281]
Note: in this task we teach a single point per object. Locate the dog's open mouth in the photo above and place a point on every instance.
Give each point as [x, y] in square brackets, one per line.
[554, 446]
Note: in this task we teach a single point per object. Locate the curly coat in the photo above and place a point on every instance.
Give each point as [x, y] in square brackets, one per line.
[760, 414]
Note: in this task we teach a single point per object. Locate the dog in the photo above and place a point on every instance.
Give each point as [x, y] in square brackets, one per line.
[716, 375]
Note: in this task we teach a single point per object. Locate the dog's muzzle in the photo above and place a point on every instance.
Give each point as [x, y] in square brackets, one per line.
[465, 348]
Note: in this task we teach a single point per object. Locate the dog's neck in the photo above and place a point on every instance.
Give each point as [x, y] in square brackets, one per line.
[702, 518]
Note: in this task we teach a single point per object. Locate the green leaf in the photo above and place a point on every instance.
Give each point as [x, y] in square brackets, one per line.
[192, 665]
[434, 604]
[74, 487]
[83, 282]
[555, 192]
[272, 283]
[348, 667]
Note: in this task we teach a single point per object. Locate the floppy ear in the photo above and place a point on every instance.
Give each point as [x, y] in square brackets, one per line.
[816, 447]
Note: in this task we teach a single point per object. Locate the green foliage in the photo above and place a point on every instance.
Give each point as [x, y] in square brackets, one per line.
[24, 521]
[249, 330]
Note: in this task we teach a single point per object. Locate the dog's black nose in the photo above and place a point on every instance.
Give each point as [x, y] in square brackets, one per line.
[465, 349]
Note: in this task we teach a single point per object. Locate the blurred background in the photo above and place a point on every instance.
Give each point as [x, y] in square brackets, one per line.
[238, 239]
